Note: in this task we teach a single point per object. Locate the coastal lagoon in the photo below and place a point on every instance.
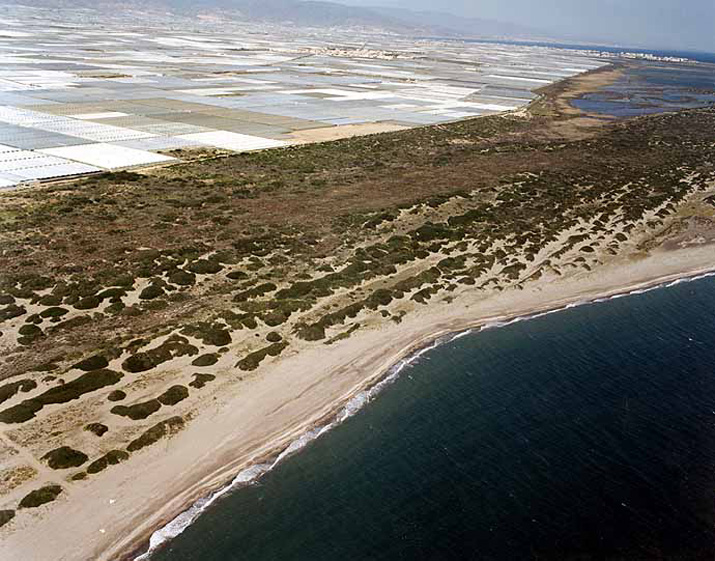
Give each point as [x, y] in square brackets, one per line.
[583, 434]
[651, 88]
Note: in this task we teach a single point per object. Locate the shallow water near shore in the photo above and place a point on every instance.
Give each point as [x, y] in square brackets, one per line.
[589, 434]
[650, 88]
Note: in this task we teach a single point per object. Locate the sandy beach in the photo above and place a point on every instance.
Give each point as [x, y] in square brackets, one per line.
[121, 509]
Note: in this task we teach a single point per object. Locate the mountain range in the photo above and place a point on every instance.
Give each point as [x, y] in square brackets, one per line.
[312, 13]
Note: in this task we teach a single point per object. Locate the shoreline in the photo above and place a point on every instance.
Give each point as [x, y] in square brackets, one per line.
[278, 450]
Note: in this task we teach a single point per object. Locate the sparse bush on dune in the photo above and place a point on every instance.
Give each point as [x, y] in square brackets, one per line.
[156, 433]
[274, 337]
[200, 380]
[6, 516]
[29, 333]
[12, 311]
[40, 496]
[116, 395]
[88, 303]
[209, 334]
[151, 292]
[111, 458]
[89, 382]
[254, 359]
[54, 312]
[311, 332]
[50, 300]
[137, 411]
[182, 278]
[97, 428]
[204, 267]
[173, 395]
[94, 362]
[170, 349]
[205, 360]
[9, 390]
[64, 457]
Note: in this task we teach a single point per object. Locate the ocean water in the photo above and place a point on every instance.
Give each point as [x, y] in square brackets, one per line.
[699, 56]
[586, 434]
[650, 88]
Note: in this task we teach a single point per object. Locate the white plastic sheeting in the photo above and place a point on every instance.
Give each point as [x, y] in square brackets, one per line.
[108, 156]
[234, 141]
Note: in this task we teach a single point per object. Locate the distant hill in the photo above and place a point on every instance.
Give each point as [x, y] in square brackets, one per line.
[309, 13]
[452, 24]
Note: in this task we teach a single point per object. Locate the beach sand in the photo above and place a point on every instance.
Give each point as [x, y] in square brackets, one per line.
[111, 517]
[342, 131]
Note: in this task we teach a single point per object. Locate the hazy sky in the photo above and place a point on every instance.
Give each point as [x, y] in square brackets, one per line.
[686, 24]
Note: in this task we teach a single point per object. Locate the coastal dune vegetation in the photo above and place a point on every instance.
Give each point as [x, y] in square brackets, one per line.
[131, 301]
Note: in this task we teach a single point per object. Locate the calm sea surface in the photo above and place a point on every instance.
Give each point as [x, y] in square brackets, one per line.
[587, 434]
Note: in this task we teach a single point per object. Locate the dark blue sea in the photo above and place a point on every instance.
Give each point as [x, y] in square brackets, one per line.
[700, 56]
[587, 434]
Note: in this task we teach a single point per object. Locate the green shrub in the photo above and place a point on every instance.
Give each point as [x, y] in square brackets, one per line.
[86, 383]
[170, 349]
[381, 297]
[155, 305]
[111, 458]
[274, 337]
[131, 311]
[29, 330]
[54, 312]
[205, 360]
[173, 395]
[200, 380]
[237, 275]
[28, 334]
[92, 363]
[116, 395]
[50, 300]
[152, 291]
[209, 334]
[182, 278]
[204, 267]
[74, 322]
[40, 496]
[275, 318]
[115, 308]
[9, 390]
[65, 457]
[34, 318]
[311, 332]
[96, 428]
[88, 303]
[254, 292]
[13, 311]
[112, 294]
[6, 516]
[253, 360]
[138, 410]
[156, 433]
